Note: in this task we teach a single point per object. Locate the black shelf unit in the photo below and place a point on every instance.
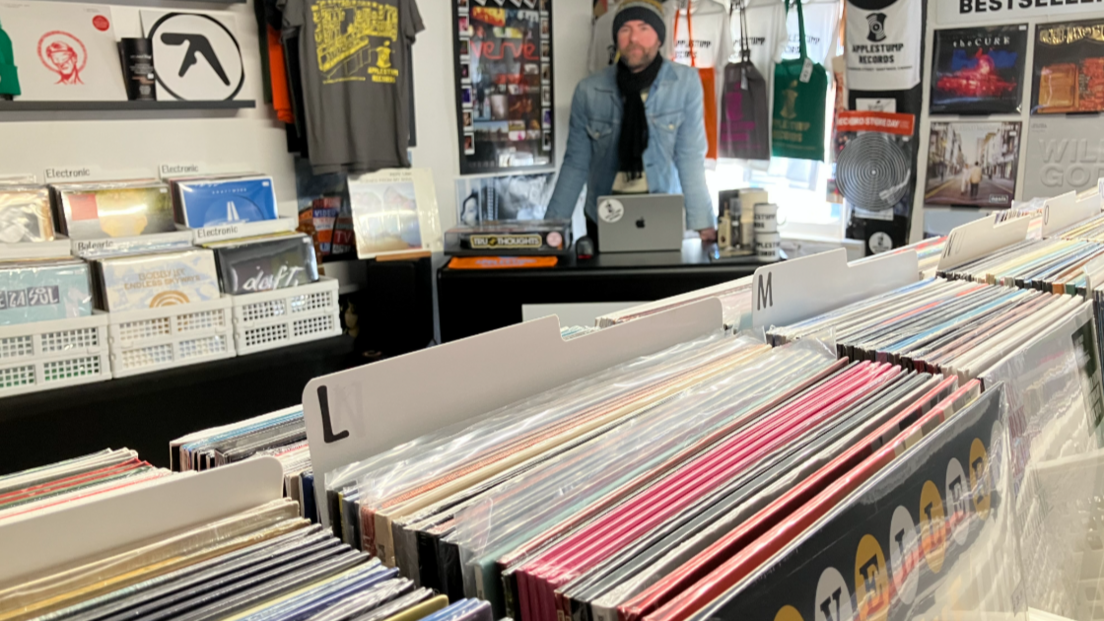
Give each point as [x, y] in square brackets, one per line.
[82, 106]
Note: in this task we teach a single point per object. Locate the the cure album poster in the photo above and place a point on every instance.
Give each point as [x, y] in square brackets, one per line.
[979, 70]
[1069, 68]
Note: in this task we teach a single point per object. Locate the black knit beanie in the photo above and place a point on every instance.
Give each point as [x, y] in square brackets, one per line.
[648, 11]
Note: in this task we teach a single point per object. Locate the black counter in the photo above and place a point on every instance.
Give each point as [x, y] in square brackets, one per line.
[475, 301]
[145, 412]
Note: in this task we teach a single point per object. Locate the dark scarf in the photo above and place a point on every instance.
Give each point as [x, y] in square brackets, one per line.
[634, 122]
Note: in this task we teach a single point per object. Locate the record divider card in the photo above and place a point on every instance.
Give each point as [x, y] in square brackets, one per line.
[355, 414]
[1064, 211]
[979, 238]
[55, 538]
[799, 289]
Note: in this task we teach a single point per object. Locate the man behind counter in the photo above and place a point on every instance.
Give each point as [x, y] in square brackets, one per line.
[636, 125]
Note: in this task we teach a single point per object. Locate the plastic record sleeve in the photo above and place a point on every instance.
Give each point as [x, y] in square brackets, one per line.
[873, 171]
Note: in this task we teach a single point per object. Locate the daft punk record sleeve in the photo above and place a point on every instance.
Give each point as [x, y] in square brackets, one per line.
[64, 51]
[883, 44]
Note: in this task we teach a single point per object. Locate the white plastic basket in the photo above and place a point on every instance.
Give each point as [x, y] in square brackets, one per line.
[53, 354]
[143, 341]
[272, 319]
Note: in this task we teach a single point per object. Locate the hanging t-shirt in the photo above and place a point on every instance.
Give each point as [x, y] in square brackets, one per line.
[354, 57]
[821, 29]
[712, 48]
[883, 44]
[603, 49]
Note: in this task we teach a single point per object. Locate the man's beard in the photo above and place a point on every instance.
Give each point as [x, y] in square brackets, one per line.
[646, 59]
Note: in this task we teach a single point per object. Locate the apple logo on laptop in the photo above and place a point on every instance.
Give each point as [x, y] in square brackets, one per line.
[640, 223]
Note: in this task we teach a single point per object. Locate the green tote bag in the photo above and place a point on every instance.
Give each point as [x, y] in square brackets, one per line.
[800, 92]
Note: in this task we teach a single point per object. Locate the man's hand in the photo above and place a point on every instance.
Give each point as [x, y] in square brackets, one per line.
[708, 235]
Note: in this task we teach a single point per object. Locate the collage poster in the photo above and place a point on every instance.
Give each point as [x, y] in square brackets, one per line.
[973, 164]
[978, 70]
[503, 51]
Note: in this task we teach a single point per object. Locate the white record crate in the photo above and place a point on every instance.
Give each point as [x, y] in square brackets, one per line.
[285, 317]
[153, 339]
[53, 354]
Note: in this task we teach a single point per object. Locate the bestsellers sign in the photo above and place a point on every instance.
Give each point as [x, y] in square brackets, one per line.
[958, 11]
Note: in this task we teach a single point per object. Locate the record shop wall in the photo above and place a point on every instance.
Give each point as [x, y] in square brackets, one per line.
[435, 100]
[132, 140]
[1036, 175]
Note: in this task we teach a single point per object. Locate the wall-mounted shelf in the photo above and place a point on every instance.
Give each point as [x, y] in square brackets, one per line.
[74, 106]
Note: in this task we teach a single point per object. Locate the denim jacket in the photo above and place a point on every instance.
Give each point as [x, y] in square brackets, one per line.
[674, 160]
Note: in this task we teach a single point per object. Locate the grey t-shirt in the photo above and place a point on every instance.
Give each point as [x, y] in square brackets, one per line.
[355, 58]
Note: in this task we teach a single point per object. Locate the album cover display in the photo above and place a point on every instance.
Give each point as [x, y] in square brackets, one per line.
[64, 51]
[973, 164]
[265, 263]
[979, 70]
[98, 210]
[44, 290]
[210, 203]
[25, 214]
[128, 283]
[394, 211]
[1069, 67]
[196, 56]
[1063, 155]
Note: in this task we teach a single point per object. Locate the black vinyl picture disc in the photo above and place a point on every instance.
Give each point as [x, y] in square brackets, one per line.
[872, 171]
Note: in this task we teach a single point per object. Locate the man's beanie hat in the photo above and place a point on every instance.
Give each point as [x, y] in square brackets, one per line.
[647, 11]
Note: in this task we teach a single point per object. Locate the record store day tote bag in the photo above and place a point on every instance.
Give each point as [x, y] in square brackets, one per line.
[800, 89]
[744, 113]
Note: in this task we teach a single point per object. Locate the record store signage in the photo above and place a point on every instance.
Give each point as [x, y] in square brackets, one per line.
[931, 536]
[883, 44]
[949, 12]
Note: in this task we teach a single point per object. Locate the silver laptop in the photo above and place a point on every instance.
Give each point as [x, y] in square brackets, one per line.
[640, 222]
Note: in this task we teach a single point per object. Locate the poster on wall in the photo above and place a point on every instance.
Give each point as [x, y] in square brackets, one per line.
[196, 56]
[503, 66]
[973, 164]
[514, 197]
[883, 44]
[1064, 153]
[1069, 68]
[64, 51]
[978, 70]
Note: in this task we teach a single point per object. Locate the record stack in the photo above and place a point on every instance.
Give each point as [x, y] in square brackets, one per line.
[261, 563]
[1053, 265]
[940, 326]
[281, 434]
[735, 297]
[545, 523]
[90, 476]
